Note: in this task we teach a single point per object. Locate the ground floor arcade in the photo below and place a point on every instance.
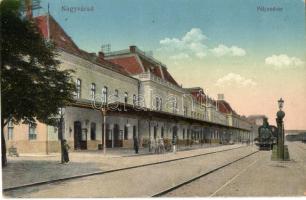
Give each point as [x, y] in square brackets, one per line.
[83, 128]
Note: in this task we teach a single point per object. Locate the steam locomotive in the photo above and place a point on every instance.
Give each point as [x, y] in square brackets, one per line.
[267, 136]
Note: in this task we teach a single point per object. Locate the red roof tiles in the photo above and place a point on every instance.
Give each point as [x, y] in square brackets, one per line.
[168, 76]
[62, 41]
[136, 63]
[129, 63]
[225, 107]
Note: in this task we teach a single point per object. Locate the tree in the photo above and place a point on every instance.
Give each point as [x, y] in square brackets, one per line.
[33, 87]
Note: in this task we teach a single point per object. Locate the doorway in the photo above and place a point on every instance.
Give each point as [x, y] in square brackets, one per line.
[117, 136]
[134, 132]
[80, 136]
[174, 132]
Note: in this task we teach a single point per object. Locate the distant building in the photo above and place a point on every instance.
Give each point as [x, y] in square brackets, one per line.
[256, 121]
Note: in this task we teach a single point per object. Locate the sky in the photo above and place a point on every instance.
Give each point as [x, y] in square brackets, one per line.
[240, 48]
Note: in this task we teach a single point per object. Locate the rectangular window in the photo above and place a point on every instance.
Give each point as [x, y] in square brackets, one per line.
[10, 130]
[93, 90]
[32, 132]
[116, 93]
[78, 88]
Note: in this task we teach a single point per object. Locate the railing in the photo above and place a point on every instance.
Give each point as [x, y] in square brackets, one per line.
[113, 53]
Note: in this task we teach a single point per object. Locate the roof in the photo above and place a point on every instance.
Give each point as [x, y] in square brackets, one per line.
[136, 62]
[225, 107]
[129, 63]
[195, 92]
[62, 41]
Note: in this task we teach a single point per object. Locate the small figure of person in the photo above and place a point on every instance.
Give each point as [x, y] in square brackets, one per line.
[162, 145]
[136, 145]
[152, 144]
[66, 148]
[174, 141]
[157, 142]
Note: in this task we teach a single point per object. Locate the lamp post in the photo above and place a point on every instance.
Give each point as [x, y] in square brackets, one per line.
[60, 131]
[280, 126]
[149, 123]
[103, 113]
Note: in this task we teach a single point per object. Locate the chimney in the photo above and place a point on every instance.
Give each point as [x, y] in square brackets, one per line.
[101, 55]
[133, 49]
[221, 97]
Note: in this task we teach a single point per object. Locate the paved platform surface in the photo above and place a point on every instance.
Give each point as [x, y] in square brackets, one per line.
[29, 169]
[139, 182]
[254, 176]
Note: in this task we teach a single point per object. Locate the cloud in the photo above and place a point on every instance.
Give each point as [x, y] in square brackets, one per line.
[191, 44]
[223, 50]
[180, 56]
[233, 79]
[283, 61]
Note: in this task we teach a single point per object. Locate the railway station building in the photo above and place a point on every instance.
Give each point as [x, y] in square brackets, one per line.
[143, 100]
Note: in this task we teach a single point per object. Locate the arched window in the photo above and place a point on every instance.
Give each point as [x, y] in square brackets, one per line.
[155, 132]
[157, 103]
[126, 97]
[188, 133]
[10, 128]
[93, 131]
[105, 94]
[134, 99]
[93, 90]
[162, 132]
[32, 132]
[160, 104]
[116, 93]
[174, 105]
[78, 88]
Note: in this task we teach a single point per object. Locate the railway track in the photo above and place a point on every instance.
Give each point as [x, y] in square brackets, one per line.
[110, 171]
[173, 188]
[301, 146]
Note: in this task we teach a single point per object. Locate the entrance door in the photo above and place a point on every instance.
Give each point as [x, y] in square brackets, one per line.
[117, 136]
[77, 135]
[155, 132]
[108, 136]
